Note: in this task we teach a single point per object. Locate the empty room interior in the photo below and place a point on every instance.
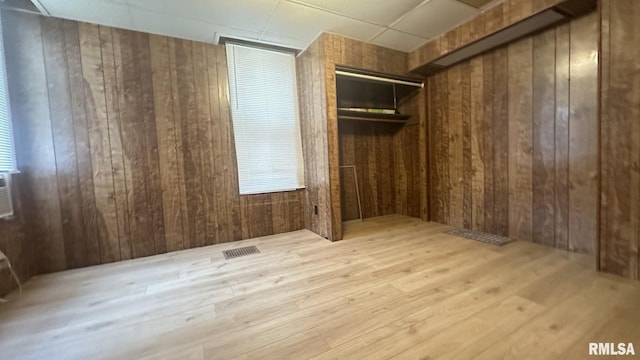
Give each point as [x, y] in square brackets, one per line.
[319, 179]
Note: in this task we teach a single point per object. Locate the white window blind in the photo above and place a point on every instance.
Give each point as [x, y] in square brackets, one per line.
[7, 152]
[266, 126]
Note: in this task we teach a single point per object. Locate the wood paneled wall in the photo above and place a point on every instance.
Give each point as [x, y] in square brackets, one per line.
[126, 145]
[411, 162]
[14, 244]
[388, 199]
[620, 145]
[370, 147]
[514, 139]
[312, 103]
[322, 142]
[504, 14]
[389, 164]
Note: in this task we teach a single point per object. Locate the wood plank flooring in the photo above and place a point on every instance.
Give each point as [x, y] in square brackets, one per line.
[395, 288]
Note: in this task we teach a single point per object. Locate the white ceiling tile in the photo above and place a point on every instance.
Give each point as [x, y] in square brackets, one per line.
[302, 24]
[398, 40]
[103, 12]
[291, 23]
[382, 12]
[246, 14]
[435, 18]
[156, 23]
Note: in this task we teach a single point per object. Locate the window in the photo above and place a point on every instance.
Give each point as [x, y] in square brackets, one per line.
[266, 125]
[7, 153]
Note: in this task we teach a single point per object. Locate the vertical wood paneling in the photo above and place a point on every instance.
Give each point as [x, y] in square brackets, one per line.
[229, 153]
[423, 148]
[333, 159]
[126, 148]
[583, 135]
[98, 129]
[63, 141]
[456, 147]
[133, 141]
[190, 152]
[118, 159]
[35, 148]
[501, 125]
[370, 147]
[532, 123]
[170, 174]
[561, 209]
[488, 145]
[467, 164]
[410, 159]
[322, 142]
[620, 156]
[218, 164]
[544, 108]
[350, 209]
[520, 140]
[181, 188]
[205, 139]
[500, 16]
[477, 134]
[438, 120]
[153, 187]
[81, 140]
[312, 99]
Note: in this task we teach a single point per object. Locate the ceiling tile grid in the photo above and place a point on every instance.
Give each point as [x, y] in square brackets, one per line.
[400, 24]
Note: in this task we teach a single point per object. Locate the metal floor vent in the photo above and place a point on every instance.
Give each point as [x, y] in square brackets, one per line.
[479, 236]
[243, 251]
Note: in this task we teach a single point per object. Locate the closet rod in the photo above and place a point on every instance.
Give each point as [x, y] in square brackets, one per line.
[380, 79]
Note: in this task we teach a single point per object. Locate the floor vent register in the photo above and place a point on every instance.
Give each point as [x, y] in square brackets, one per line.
[238, 252]
[479, 236]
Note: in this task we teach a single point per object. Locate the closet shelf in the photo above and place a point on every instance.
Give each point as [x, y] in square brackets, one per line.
[369, 116]
[372, 96]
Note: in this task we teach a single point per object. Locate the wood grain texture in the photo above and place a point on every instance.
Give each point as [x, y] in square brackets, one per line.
[544, 108]
[520, 89]
[64, 142]
[478, 153]
[370, 147]
[82, 146]
[410, 159]
[312, 102]
[98, 129]
[561, 209]
[113, 82]
[518, 163]
[126, 148]
[27, 81]
[167, 139]
[620, 212]
[500, 101]
[302, 298]
[456, 146]
[332, 133]
[439, 142]
[584, 135]
[325, 149]
[499, 17]
[488, 145]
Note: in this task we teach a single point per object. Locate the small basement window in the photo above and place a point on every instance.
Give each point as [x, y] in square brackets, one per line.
[266, 124]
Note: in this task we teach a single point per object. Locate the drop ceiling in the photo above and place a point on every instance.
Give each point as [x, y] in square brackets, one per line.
[398, 24]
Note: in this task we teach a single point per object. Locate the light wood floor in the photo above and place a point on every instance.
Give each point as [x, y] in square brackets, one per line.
[394, 288]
